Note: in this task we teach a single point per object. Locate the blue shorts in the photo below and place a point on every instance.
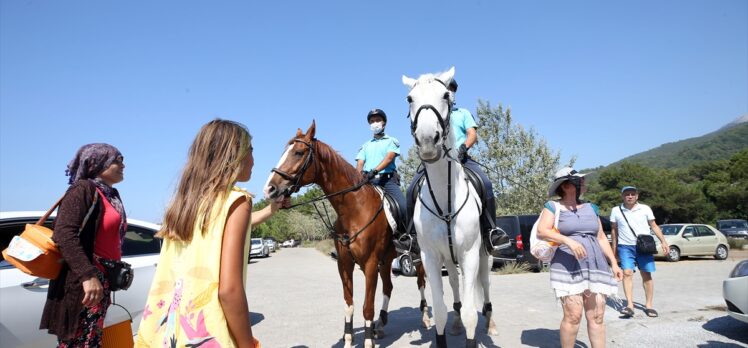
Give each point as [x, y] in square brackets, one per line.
[627, 255]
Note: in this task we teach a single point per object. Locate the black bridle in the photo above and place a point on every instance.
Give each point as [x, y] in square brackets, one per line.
[296, 178]
[443, 121]
[344, 239]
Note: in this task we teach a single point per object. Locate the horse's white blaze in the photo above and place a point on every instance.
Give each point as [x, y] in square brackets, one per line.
[432, 232]
[282, 160]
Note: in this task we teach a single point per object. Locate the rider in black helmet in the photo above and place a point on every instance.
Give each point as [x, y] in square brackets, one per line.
[376, 161]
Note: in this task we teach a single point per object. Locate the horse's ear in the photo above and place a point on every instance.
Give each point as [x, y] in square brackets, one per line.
[312, 130]
[409, 82]
[447, 75]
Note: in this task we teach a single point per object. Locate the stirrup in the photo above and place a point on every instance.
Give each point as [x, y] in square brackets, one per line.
[499, 239]
[406, 243]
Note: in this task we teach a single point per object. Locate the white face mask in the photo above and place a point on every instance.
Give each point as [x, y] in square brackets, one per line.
[377, 127]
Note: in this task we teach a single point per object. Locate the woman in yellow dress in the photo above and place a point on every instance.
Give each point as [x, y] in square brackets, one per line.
[197, 297]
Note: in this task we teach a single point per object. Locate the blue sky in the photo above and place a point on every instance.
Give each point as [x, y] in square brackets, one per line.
[599, 80]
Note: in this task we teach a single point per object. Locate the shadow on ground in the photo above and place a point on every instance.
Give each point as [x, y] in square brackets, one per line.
[545, 338]
[405, 323]
[729, 327]
[256, 318]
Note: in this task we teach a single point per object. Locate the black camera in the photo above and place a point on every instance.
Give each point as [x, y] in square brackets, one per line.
[119, 274]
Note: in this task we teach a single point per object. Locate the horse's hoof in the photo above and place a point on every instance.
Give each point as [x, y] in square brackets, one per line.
[426, 321]
[492, 330]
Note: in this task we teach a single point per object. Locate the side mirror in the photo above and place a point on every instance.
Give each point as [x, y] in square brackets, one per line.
[687, 235]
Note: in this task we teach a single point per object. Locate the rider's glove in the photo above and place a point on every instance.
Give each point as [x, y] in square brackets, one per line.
[462, 153]
[371, 174]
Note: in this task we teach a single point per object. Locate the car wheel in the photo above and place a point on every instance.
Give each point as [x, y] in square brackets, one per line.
[674, 254]
[406, 266]
[721, 253]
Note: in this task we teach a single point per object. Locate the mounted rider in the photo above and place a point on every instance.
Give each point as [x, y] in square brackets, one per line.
[464, 130]
[376, 161]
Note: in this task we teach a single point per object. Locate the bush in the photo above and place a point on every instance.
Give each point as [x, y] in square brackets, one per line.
[737, 243]
[325, 246]
[514, 268]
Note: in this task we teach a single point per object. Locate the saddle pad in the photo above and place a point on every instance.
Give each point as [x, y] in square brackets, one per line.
[386, 208]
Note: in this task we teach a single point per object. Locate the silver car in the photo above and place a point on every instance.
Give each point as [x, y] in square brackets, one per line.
[693, 240]
[257, 248]
[735, 292]
[22, 296]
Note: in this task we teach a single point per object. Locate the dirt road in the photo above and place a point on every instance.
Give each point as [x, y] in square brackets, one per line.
[295, 299]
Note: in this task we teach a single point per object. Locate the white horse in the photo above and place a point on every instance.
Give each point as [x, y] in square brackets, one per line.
[447, 212]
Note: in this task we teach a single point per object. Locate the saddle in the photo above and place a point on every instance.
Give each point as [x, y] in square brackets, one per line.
[474, 179]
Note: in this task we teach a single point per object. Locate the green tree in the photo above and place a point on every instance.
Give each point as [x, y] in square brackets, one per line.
[519, 162]
[670, 197]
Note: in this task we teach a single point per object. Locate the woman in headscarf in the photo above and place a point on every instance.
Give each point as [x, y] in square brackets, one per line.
[89, 227]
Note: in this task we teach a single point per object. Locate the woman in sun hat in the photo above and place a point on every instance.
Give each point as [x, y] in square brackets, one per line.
[581, 272]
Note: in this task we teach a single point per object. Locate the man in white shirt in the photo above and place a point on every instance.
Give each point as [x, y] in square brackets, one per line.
[626, 222]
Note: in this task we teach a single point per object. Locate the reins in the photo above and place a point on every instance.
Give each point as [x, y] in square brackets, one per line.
[344, 239]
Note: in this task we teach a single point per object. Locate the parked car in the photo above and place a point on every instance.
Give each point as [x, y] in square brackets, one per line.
[404, 264]
[733, 228]
[519, 227]
[735, 292]
[258, 248]
[693, 240]
[270, 244]
[22, 296]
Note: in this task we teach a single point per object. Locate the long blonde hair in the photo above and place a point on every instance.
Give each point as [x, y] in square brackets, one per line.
[213, 165]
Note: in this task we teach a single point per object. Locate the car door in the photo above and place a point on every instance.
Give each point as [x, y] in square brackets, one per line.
[707, 240]
[140, 249]
[22, 298]
[690, 240]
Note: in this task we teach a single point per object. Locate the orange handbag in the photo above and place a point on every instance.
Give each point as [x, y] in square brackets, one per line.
[118, 335]
[33, 251]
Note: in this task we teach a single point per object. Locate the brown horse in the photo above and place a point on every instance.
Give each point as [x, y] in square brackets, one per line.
[362, 234]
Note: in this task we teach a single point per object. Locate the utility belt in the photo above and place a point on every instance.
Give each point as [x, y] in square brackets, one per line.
[385, 175]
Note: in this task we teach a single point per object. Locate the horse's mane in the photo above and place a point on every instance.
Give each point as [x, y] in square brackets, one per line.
[349, 172]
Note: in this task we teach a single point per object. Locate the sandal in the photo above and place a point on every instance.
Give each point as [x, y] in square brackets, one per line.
[651, 312]
[627, 312]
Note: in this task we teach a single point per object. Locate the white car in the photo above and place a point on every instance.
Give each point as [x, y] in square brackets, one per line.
[693, 240]
[258, 248]
[270, 244]
[735, 292]
[22, 296]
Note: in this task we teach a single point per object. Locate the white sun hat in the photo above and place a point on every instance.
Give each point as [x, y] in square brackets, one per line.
[562, 175]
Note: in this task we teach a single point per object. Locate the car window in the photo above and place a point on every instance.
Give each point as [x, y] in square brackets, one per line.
[140, 241]
[704, 231]
[671, 230]
[690, 230]
[508, 224]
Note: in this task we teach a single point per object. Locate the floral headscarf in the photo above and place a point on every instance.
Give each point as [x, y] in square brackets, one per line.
[90, 161]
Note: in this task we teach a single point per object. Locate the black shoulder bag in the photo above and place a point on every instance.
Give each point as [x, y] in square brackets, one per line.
[645, 243]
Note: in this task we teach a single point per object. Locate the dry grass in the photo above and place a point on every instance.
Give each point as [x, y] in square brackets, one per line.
[324, 246]
[737, 243]
[514, 268]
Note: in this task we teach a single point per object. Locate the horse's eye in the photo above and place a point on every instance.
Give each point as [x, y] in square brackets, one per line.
[409, 99]
[298, 153]
[446, 96]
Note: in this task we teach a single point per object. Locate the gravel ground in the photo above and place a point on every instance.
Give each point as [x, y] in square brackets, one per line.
[296, 300]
